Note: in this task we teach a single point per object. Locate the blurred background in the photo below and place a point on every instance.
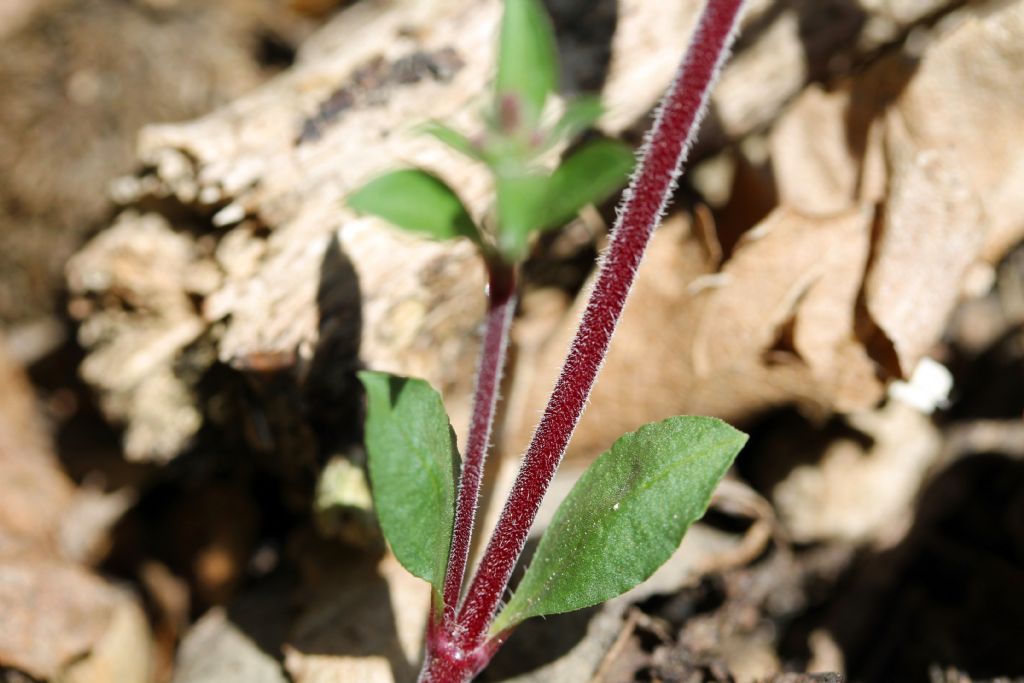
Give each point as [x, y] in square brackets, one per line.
[184, 300]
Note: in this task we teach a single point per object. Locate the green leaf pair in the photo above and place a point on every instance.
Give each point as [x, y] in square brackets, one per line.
[528, 198]
[528, 201]
[620, 522]
[533, 201]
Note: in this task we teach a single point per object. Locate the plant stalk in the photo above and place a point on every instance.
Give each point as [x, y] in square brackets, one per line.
[501, 303]
[645, 201]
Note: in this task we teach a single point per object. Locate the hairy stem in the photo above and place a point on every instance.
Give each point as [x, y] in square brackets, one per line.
[650, 190]
[501, 303]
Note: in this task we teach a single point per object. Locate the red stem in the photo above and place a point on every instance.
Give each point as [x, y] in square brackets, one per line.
[674, 128]
[500, 306]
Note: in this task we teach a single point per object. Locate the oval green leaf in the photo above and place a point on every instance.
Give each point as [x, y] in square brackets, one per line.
[527, 56]
[625, 516]
[416, 201]
[590, 175]
[413, 460]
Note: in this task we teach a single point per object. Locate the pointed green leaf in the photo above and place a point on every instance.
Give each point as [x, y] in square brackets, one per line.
[625, 516]
[521, 198]
[589, 176]
[416, 201]
[453, 138]
[527, 56]
[580, 114]
[413, 460]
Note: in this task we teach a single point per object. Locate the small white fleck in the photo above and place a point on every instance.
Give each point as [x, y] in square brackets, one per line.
[615, 507]
[928, 388]
[229, 215]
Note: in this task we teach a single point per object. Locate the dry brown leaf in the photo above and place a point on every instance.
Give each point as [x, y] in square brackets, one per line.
[815, 170]
[858, 492]
[955, 154]
[122, 654]
[215, 650]
[771, 272]
[825, 319]
[56, 614]
[29, 471]
[827, 151]
[967, 97]
[933, 230]
[729, 343]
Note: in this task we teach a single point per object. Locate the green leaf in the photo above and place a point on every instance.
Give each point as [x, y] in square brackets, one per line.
[413, 460]
[625, 516]
[580, 114]
[527, 56]
[453, 138]
[589, 176]
[521, 198]
[416, 201]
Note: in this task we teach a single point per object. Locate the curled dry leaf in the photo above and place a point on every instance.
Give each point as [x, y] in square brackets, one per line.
[774, 326]
[932, 139]
[957, 177]
[815, 170]
[932, 231]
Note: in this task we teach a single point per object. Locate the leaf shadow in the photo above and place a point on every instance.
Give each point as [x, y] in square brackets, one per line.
[350, 614]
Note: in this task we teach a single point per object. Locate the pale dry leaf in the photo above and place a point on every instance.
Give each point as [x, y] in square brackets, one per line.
[692, 341]
[955, 156]
[933, 230]
[815, 170]
[29, 470]
[55, 614]
[825, 319]
[771, 271]
[967, 96]
[861, 493]
[123, 653]
[215, 650]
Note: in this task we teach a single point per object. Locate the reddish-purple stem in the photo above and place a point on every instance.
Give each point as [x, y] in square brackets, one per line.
[645, 201]
[500, 306]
